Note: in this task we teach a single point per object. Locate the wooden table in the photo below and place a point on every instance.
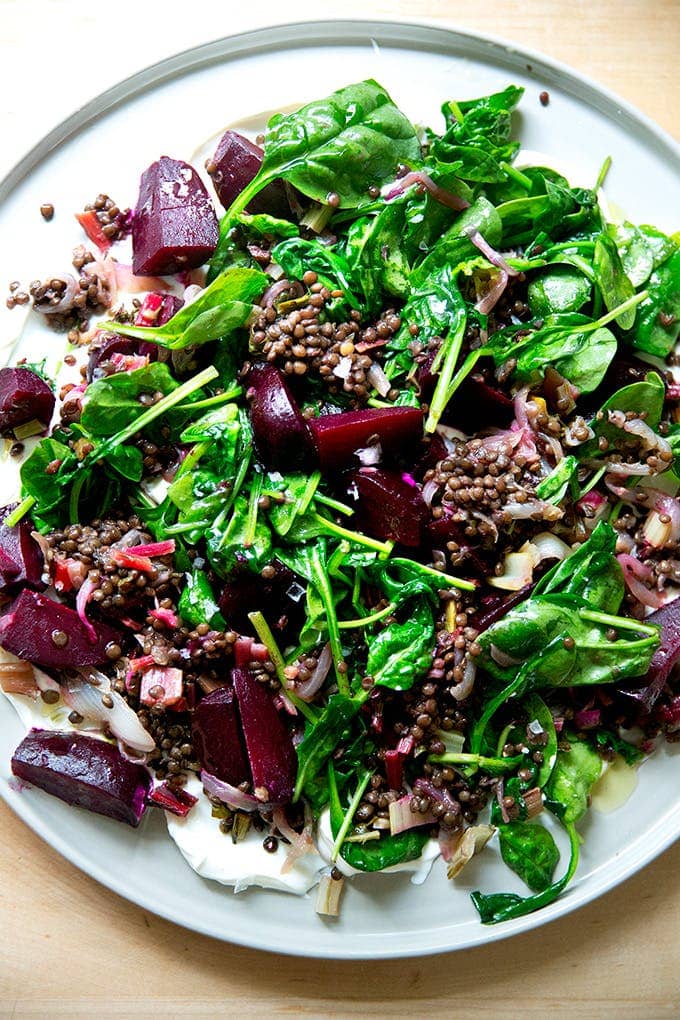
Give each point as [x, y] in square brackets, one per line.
[71, 948]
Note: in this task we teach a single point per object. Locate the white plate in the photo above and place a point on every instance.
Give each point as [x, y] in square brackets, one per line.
[173, 108]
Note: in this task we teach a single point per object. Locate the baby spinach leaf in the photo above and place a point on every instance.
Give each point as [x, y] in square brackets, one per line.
[112, 403]
[530, 851]
[555, 485]
[224, 306]
[641, 249]
[322, 737]
[645, 397]
[385, 852]
[197, 603]
[296, 256]
[615, 287]
[558, 289]
[537, 711]
[343, 145]
[400, 654]
[591, 572]
[291, 494]
[235, 545]
[657, 324]
[575, 773]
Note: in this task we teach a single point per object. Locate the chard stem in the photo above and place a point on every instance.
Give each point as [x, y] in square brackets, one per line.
[347, 820]
[269, 641]
[20, 511]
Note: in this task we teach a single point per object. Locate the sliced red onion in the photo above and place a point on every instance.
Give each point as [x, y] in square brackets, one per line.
[592, 503]
[234, 798]
[307, 690]
[630, 470]
[550, 547]
[494, 257]
[65, 303]
[430, 491]
[651, 440]
[635, 574]
[378, 380]
[587, 718]
[84, 593]
[85, 697]
[165, 616]
[555, 446]
[440, 195]
[128, 362]
[497, 284]
[502, 658]
[271, 293]
[537, 509]
[402, 818]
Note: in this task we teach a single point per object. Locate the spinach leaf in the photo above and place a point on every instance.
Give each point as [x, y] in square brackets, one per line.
[400, 654]
[112, 403]
[537, 710]
[645, 397]
[290, 498]
[322, 737]
[224, 306]
[342, 145]
[498, 907]
[296, 256]
[641, 249]
[575, 773]
[239, 543]
[558, 289]
[530, 851]
[614, 285]
[197, 603]
[657, 324]
[592, 572]
[555, 485]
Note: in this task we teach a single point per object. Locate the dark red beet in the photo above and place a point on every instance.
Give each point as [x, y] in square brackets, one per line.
[28, 627]
[478, 404]
[21, 561]
[273, 762]
[494, 607]
[666, 655]
[281, 435]
[174, 225]
[176, 801]
[24, 396]
[389, 506]
[246, 592]
[84, 771]
[235, 163]
[216, 737]
[157, 309]
[338, 436]
[101, 353]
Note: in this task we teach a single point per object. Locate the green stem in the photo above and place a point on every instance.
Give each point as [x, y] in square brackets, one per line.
[333, 504]
[192, 458]
[269, 641]
[447, 579]
[74, 498]
[593, 481]
[20, 511]
[253, 507]
[516, 175]
[604, 170]
[366, 621]
[322, 584]
[632, 302]
[504, 764]
[384, 548]
[219, 398]
[440, 396]
[464, 371]
[347, 820]
[618, 622]
[491, 707]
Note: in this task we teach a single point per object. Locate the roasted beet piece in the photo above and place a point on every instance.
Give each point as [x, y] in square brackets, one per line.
[157, 309]
[246, 592]
[235, 163]
[82, 770]
[339, 436]
[390, 506]
[281, 435]
[216, 736]
[21, 561]
[273, 762]
[24, 396]
[50, 634]
[174, 225]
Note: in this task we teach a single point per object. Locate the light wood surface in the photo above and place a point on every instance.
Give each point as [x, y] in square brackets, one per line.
[70, 948]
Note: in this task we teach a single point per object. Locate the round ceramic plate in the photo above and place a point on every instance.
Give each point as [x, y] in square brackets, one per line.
[174, 108]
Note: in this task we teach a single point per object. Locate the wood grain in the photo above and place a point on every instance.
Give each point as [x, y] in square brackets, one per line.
[71, 948]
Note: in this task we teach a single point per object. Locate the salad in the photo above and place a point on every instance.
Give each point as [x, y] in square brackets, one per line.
[348, 523]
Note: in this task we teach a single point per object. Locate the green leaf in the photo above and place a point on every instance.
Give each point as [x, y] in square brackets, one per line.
[112, 403]
[297, 256]
[402, 652]
[646, 397]
[592, 572]
[575, 773]
[224, 306]
[641, 249]
[615, 287]
[537, 710]
[231, 547]
[555, 485]
[530, 851]
[197, 603]
[558, 289]
[657, 324]
[321, 738]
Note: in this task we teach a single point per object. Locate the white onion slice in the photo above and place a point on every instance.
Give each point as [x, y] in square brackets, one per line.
[85, 698]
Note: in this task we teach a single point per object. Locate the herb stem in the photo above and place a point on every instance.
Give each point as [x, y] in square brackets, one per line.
[366, 621]
[323, 586]
[347, 820]
[269, 641]
[447, 579]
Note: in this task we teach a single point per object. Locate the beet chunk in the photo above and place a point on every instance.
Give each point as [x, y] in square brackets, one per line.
[390, 506]
[24, 396]
[174, 225]
[21, 561]
[216, 736]
[273, 762]
[84, 771]
[339, 436]
[244, 592]
[281, 435]
[235, 163]
[49, 634]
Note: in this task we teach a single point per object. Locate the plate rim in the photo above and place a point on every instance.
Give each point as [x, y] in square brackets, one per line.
[299, 35]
